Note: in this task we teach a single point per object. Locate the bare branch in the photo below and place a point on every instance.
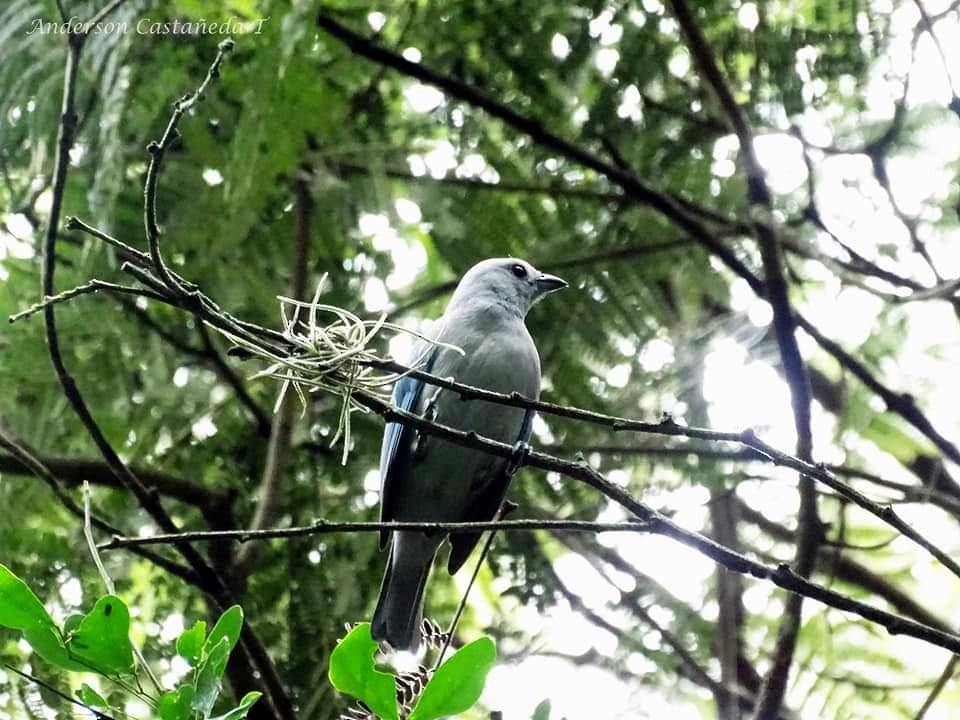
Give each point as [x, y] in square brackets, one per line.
[600, 256]
[86, 289]
[945, 677]
[28, 461]
[636, 188]
[781, 575]
[73, 471]
[328, 527]
[157, 151]
[903, 404]
[835, 563]
[207, 575]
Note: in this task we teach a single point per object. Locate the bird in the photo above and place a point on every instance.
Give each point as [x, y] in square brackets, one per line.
[481, 340]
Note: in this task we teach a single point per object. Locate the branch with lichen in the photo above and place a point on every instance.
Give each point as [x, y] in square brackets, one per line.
[324, 348]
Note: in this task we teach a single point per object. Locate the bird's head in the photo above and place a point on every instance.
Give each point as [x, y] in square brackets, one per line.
[511, 283]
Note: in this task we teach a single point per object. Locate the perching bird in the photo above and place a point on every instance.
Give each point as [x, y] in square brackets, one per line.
[425, 479]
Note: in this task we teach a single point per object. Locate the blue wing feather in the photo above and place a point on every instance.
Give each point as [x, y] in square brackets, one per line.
[527, 425]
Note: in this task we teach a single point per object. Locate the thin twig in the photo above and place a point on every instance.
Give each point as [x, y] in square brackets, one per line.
[902, 404]
[28, 461]
[840, 565]
[108, 581]
[927, 23]
[945, 677]
[86, 289]
[505, 509]
[798, 381]
[656, 523]
[97, 714]
[327, 527]
[157, 151]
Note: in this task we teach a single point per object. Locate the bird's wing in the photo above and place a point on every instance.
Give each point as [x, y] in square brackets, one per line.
[398, 438]
[485, 505]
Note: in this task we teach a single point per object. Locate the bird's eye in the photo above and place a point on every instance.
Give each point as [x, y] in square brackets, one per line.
[519, 270]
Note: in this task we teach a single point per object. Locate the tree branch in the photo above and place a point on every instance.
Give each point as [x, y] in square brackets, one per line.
[73, 471]
[809, 529]
[833, 562]
[281, 428]
[633, 186]
[600, 256]
[329, 527]
[903, 404]
[87, 288]
[30, 463]
[637, 189]
[157, 151]
[210, 580]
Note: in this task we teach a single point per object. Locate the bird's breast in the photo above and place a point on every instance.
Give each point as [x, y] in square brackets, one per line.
[444, 475]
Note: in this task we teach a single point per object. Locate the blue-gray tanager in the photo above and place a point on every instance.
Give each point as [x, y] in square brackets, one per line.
[425, 479]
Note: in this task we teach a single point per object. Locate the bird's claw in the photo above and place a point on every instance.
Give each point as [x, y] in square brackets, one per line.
[518, 458]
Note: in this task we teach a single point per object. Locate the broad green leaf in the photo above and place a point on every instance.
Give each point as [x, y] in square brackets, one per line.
[352, 672]
[91, 697]
[208, 676]
[176, 704]
[241, 710]
[190, 642]
[47, 643]
[20, 609]
[542, 711]
[458, 683]
[102, 640]
[228, 626]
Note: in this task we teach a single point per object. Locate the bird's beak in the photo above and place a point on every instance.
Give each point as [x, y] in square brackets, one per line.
[549, 283]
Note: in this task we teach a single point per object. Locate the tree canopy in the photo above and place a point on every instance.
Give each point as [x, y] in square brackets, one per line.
[756, 207]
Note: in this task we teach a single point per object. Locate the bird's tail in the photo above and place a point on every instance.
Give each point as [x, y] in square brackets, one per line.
[400, 606]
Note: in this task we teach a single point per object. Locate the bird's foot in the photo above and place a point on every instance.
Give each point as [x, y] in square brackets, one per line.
[430, 409]
[518, 458]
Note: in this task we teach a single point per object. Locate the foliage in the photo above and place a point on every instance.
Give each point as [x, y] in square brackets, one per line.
[396, 190]
[453, 688]
[99, 643]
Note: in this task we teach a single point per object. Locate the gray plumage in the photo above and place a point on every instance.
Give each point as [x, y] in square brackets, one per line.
[425, 479]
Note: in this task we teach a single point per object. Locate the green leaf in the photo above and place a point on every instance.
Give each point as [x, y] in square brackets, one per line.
[48, 644]
[72, 623]
[228, 626]
[190, 642]
[241, 710]
[208, 676]
[102, 640]
[89, 696]
[176, 704]
[352, 672]
[20, 609]
[458, 683]
[542, 711]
